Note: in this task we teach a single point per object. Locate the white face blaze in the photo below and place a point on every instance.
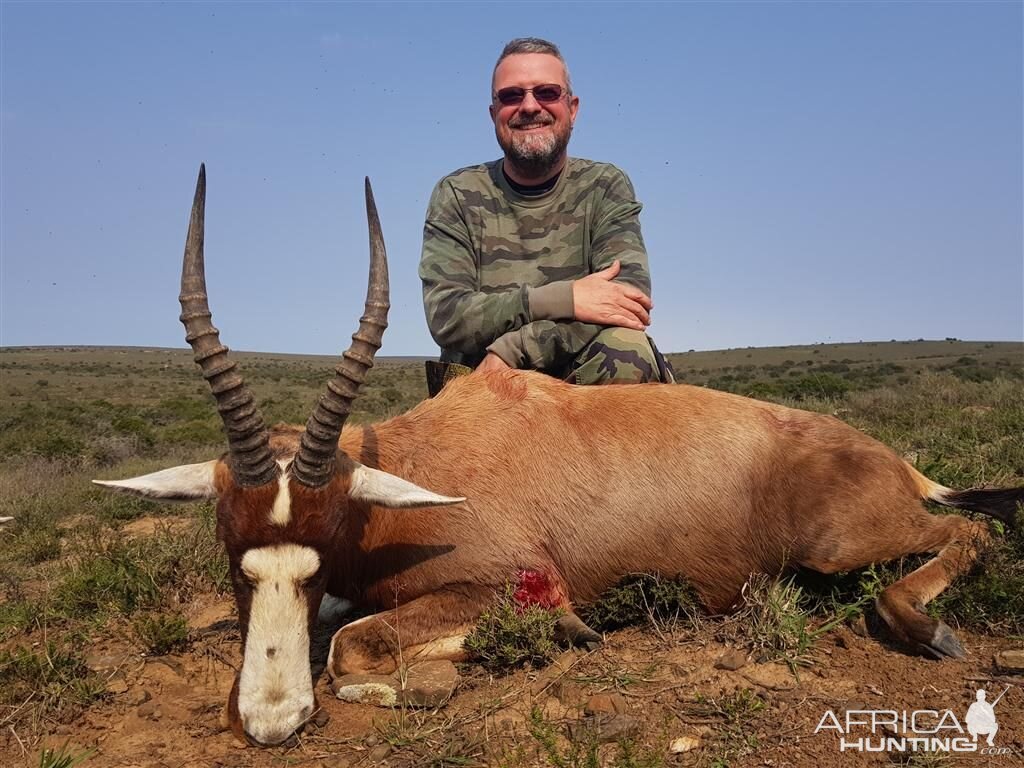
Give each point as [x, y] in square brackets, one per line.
[281, 513]
[275, 687]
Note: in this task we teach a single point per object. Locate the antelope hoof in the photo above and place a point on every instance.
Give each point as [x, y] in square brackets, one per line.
[571, 629]
[944, 644]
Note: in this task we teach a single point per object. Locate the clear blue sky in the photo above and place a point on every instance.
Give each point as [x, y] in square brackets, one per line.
[809, 172]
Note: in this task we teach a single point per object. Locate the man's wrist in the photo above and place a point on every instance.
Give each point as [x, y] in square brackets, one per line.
[508, 348]
[551, 302]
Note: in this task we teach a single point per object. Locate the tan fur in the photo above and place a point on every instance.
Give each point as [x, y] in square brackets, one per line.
[590, 484]
[586, 485]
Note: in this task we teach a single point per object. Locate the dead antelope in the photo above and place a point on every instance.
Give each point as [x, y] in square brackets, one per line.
[572, 487]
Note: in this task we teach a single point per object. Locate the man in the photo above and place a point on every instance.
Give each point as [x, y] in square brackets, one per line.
[536, 260]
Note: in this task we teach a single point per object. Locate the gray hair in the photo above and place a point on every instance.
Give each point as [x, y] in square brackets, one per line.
[532, 45]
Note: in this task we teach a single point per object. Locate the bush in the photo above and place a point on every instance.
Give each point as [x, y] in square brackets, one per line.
[161, 633]
[639, 598]
[509, 635]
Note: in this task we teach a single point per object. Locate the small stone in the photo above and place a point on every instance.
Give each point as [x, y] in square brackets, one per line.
[841, 642]
[683, 744]
[606, 704]
[139, 696]
[859, 626]
[147, 709]
[379, 690]
[117, 686]
[321, 718]
[379, 752]
[372, 740]
[105, 661]
[1011, 661]
[429, 684]
[732, 659]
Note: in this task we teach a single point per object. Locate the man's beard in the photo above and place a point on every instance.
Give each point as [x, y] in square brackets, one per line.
[534, 155]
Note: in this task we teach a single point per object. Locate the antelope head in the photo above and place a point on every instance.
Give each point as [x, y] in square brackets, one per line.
[279, 510]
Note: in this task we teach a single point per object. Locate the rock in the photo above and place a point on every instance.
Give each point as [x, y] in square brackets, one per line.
[117, 686]
[146, 710]
[379, 752]
[859, 626]
[429, 684]
[605, 728]
[1011, 661]
[139, 696]
[321, 718]
[379, 690]
[606, 704]
[105, 661]
[683, 744]
[732, 659]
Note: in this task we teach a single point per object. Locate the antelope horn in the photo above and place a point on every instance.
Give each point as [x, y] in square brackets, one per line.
[248, 442]
[314, 463]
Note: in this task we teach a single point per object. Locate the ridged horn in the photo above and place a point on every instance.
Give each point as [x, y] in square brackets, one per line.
[314, 464]
[248, 441]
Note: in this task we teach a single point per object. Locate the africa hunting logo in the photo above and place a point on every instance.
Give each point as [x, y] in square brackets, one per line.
[919, 730]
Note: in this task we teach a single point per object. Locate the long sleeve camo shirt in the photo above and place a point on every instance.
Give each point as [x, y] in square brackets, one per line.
[497, 267]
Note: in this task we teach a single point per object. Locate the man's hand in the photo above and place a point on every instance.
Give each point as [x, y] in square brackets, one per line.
[596, 299]
[493, 363]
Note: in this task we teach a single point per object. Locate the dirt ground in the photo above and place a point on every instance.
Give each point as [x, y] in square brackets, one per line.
[166, 711]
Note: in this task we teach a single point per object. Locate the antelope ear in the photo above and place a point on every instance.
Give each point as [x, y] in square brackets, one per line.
[386, 490]
[189, 482]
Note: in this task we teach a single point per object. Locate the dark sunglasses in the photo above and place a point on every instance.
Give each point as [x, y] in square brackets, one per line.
[544, 94]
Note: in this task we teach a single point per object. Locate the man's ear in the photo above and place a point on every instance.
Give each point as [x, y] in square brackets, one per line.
[189, 482]
[386, 490]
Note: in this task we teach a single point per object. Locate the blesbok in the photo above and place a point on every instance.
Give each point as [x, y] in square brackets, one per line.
[564, 488]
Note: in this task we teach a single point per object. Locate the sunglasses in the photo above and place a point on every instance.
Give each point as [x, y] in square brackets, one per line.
[544, 94]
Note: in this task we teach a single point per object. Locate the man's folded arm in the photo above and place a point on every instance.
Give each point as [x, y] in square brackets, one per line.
[544, 344]
[617, 233]
[465, 319]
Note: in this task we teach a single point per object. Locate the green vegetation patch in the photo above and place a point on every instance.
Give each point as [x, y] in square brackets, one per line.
[55, 678]
[161, 633]
[508, 635]
[63, 756]
[640, 598]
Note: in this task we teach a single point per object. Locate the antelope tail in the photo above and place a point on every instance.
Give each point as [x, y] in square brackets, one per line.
[1000, 503]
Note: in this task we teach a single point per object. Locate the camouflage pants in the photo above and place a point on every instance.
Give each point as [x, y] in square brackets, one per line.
[615, 356]
[619, 356]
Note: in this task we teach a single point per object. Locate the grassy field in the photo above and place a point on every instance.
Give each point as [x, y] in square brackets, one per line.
[84, 570]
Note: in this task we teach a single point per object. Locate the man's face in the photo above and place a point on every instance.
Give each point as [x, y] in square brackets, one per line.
[533, 135]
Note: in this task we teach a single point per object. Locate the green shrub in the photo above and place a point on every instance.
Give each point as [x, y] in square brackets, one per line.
[508, 635]
[36, 545]
[114, 580]
[62, 757]
[48, 673]
[161, 633]
[639, 598]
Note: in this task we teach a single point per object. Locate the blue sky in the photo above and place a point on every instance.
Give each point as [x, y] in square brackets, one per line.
[810, 172]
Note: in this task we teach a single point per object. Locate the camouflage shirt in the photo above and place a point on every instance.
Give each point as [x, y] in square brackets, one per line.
[497, 267]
